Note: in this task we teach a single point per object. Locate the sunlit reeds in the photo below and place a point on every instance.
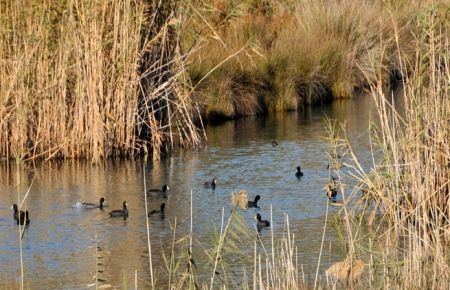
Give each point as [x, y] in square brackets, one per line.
[72, 82]
[295, 52]
[275, 266]
[406, 193]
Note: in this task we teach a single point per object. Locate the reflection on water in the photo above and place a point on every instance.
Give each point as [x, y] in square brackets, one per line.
[59, 246]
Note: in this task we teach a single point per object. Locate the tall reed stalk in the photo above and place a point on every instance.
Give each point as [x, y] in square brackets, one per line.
[71, 81]
[275, 266]
[407, 190]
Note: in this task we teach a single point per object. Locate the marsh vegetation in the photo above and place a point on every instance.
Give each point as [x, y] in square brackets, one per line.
[94, 80]
[287, 54]
[107, 79]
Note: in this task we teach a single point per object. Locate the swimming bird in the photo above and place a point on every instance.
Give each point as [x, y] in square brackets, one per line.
[120, 212]
[210, 184]
[261, 223]
[17, 212]
[331, 189]
[274, 143]
[25, 220]
[160, 211]
[90, 205]
[332, 195]
[299, 172]
[162, 192]
[254, 203]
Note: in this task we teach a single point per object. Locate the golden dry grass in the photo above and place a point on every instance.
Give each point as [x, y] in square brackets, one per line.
[290, 53]
[350, 270]
[239, 199]
[72, 82]
[407, 190]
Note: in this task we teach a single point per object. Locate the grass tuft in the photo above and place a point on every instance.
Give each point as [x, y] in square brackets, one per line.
[294, 52]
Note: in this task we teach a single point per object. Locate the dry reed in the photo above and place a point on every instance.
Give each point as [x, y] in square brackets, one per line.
[273, 268]
[407, 190]
[73, 84]
[292, 52]
[350, 270]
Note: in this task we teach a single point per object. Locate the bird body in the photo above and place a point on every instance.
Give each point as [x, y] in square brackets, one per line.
[261, 223]
[331, 189]
[160, 211]
[18, 213]
[90, 205]
[332, 195]
[210, 184]
[159, 192]
[255, 202]
[24, 220]
[299, 172]
[120, 212]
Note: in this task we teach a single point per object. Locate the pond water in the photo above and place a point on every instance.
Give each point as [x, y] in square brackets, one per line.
[59, 246]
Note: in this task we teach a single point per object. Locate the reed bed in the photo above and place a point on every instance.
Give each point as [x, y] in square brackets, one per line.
[291, 53]
[406, 193]
[75, 81]
[404, 199]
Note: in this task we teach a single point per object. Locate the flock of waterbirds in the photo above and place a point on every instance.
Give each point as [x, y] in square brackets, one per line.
[23, 218]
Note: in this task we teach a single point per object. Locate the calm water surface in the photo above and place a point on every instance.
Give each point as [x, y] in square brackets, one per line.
[59, 247]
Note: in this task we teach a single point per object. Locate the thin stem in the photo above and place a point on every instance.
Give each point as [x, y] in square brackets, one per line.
[148, 230]
[321, 246]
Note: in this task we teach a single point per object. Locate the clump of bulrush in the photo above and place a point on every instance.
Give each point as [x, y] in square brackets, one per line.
[239, 199]
[350, 270]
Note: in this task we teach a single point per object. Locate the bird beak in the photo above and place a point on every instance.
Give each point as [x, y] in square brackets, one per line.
[168, 187]
[12, 207]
